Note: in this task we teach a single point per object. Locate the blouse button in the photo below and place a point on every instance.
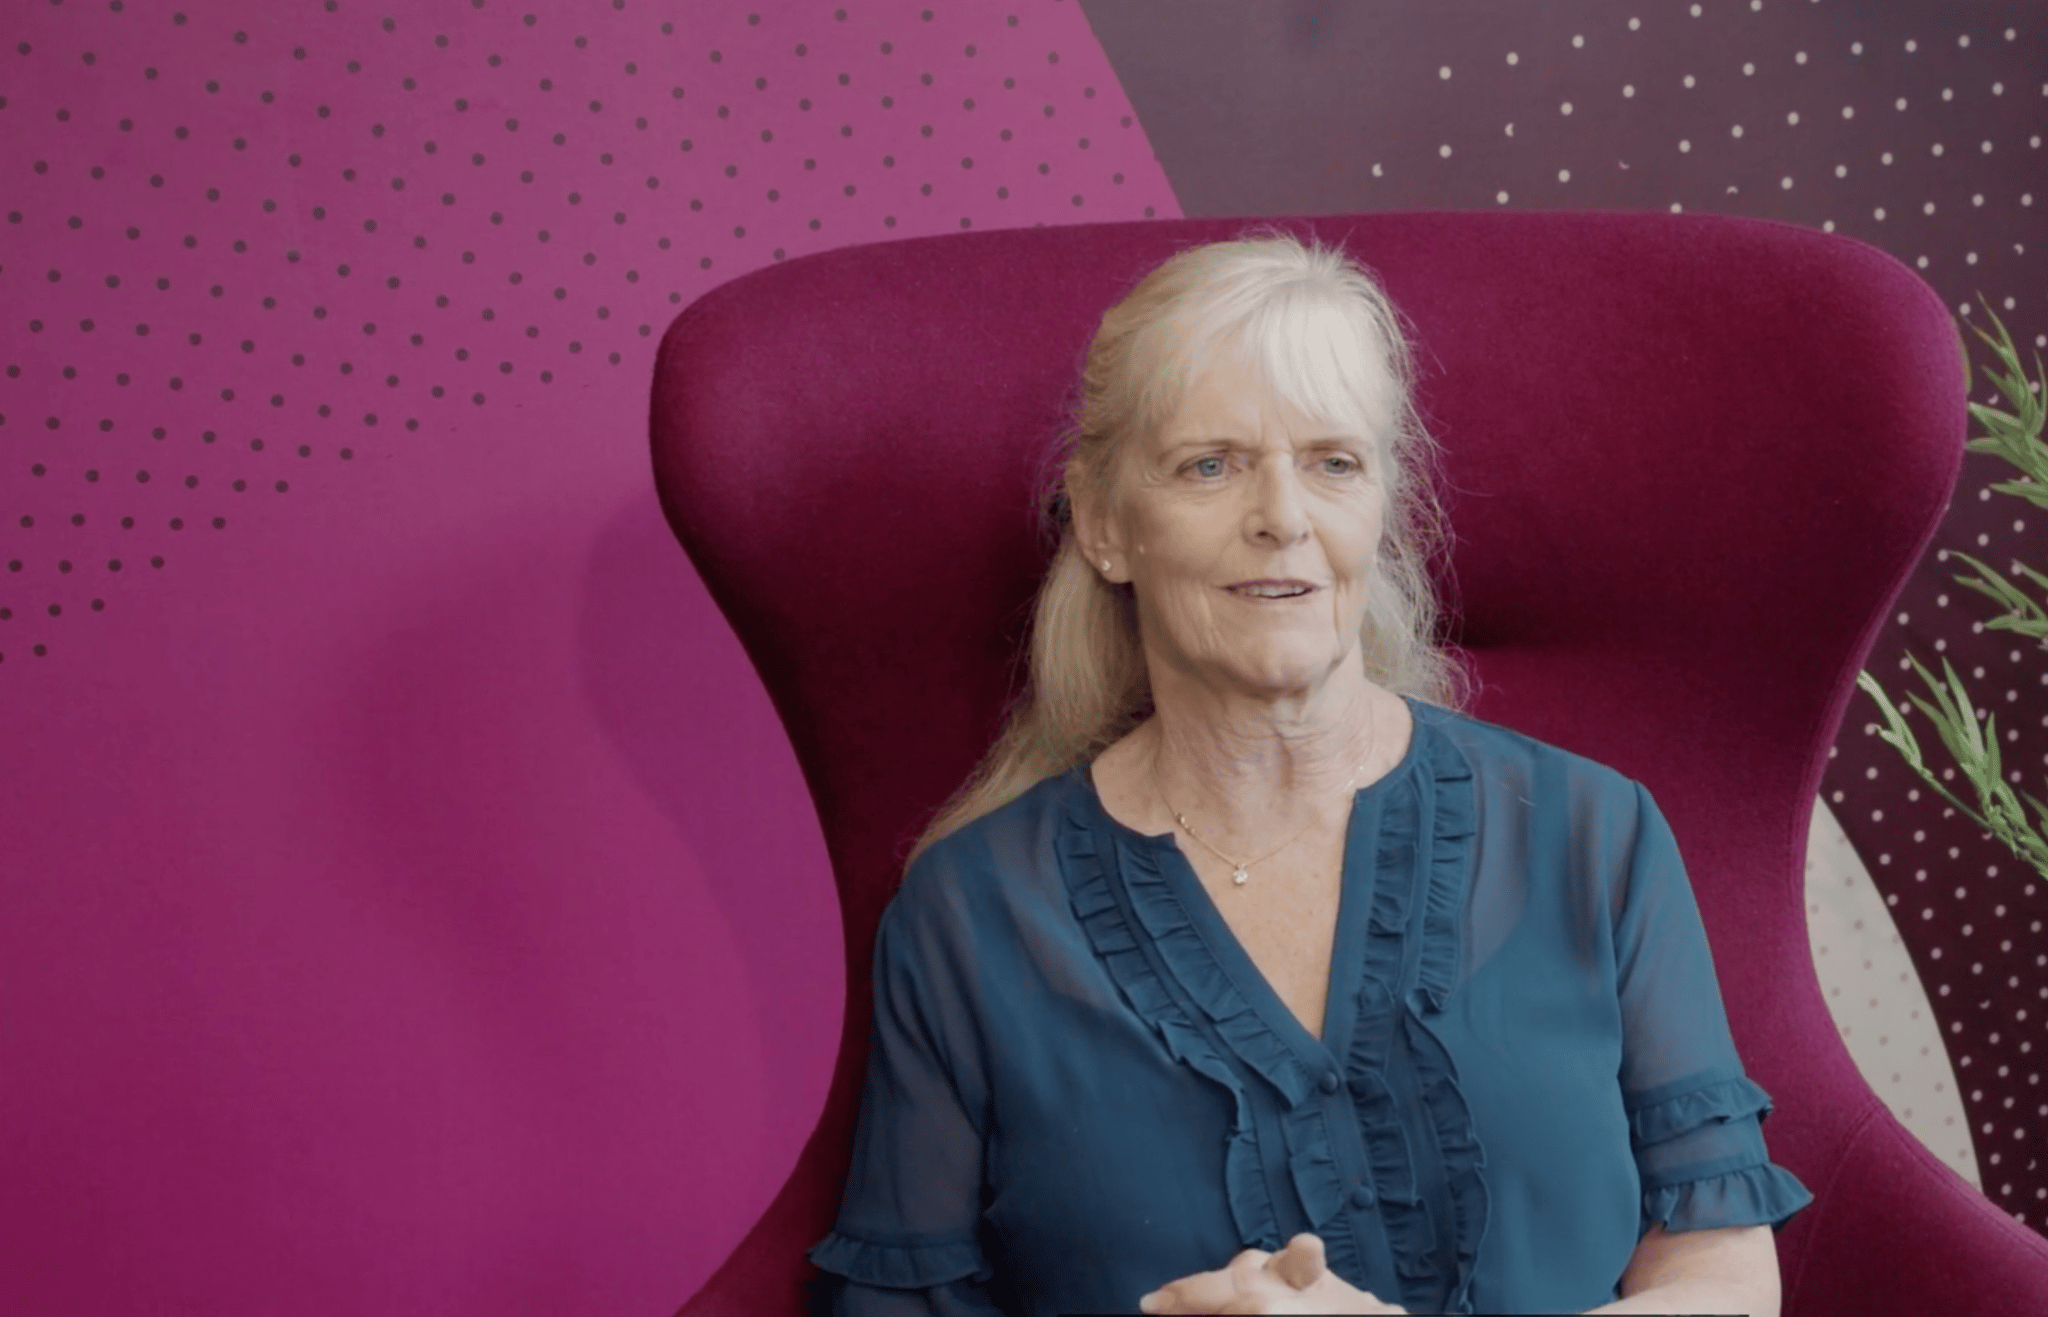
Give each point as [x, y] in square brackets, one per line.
[1330, 1081]
[1363, 1197]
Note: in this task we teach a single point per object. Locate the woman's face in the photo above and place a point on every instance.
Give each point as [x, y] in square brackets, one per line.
[1248, 533]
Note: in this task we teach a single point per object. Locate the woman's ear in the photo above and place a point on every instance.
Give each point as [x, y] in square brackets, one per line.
[1099, 538]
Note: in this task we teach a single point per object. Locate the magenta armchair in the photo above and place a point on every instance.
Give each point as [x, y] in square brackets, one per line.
[1688, 463]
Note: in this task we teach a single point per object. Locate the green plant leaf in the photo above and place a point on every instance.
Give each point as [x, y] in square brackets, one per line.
[2022, 614]
[2011, 433]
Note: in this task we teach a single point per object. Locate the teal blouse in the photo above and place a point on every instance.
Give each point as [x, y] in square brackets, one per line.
[1081, 1087]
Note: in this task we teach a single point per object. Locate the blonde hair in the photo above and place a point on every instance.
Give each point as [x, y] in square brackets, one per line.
[1316, 328]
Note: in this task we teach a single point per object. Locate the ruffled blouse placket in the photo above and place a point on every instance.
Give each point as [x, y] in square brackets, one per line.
[1384, 1160]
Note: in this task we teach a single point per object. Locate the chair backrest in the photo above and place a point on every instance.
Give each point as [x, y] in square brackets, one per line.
[1688, 462]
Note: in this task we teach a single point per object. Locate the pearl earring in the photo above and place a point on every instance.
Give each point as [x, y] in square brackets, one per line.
[1105, 566]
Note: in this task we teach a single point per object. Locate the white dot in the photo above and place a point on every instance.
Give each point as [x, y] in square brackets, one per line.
[1444, 72]
[1785, 182]
[1566, 108]
[1695, 11]
[2026, 198]
[1511, 130]
[1977, 199]
[1578, 42]
[1375, 171]
[1922, 262]
[1927, 209]
[1985, 148]
[2035, 141]
[1444, 150]
[1749, 70]
[1755, 5]
[1792, 118]
[1970, 259]
[1948, 93]
[1886, 157]
[1937, 148]
[1912, 46]
[1688, 80]
[1855, 48]
[1998, 89]
[1501, 197]
[1628, 89]
[1963, 40]
[1675, 208]
[1634, 24]
[1879, 212]
[1513, 58]
[1564, 175]
[1799, 58]
[1900, 103]
[2008, 306]
[1827, 226]
[1684, 145]
[1736, 131]
[2010, 34]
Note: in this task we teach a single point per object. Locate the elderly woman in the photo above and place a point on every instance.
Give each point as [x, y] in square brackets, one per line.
[1245, 975]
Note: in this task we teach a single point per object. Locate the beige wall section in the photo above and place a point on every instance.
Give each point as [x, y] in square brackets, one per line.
[1877, 998]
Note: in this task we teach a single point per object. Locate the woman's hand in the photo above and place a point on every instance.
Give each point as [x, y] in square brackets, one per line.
[1294, 1280]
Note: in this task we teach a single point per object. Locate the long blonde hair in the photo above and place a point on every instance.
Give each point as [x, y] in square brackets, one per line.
[1318, 330]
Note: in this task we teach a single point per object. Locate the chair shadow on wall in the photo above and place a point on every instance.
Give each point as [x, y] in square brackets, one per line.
[677, 700]
[451, 823]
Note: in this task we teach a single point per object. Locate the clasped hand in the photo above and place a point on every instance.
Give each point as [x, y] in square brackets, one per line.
[1297, 1279]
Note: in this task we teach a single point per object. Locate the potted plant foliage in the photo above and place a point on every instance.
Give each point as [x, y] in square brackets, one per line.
[1970, 736]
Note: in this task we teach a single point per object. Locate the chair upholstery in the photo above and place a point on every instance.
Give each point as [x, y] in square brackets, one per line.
[1688, 463]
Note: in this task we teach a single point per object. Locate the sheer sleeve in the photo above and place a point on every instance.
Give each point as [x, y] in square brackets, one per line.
[1694, 1117]
[907, 1242]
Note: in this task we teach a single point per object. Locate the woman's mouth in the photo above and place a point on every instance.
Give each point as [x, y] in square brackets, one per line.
[1270, 589]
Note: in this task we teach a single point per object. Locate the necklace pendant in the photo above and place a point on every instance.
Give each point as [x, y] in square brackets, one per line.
[1239, 875]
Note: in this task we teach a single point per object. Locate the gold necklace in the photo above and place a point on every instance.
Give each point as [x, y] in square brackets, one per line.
[1241, 870]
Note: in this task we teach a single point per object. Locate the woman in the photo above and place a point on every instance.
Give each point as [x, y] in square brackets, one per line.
[1246, 977]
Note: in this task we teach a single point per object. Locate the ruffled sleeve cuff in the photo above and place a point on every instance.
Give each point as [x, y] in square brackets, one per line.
[900, 1266]
[1760, 1195]
[1667, 1115]
[1700, 1151]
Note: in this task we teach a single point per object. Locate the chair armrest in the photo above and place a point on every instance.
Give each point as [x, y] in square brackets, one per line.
[1894, 1230]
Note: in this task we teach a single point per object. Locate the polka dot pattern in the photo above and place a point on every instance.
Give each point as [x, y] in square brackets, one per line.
[1917, 128]
[1876, 998]
[248, 253]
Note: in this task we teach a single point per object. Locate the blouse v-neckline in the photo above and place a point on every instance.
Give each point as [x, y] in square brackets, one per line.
[1370, 1125]
[1322, 1055]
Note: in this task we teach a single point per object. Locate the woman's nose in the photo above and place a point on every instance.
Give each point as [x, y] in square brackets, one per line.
[1277, 513]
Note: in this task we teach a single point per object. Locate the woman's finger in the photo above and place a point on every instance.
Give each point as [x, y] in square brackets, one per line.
[1204, 1291]
[1302, 1263]
[1238, 1284]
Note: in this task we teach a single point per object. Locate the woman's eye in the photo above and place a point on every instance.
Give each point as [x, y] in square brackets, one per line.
[1340, 464]
[1209, 468]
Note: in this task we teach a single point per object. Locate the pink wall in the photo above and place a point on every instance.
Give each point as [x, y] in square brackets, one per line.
[411, 905]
